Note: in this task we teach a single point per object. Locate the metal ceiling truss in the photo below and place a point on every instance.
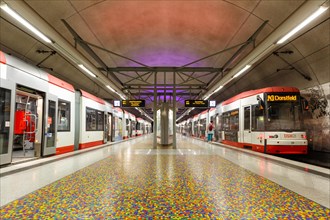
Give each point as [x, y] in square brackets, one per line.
[167, 93]
[186, 71]
[226, 67]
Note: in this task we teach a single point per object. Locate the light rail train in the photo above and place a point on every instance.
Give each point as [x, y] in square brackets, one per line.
[42, 115]
[267, 120]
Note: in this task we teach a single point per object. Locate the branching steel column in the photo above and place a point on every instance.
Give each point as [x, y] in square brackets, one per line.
[89, 50]
[135, 78]
[174, 111]
[242, 48]
[222, 51]
[168, 69]
[155, 112]
[165, 88]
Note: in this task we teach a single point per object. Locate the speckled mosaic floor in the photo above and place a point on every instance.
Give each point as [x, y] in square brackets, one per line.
[154, 186]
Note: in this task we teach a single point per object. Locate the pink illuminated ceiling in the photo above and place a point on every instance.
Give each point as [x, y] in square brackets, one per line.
[159, 33]
[164, 33]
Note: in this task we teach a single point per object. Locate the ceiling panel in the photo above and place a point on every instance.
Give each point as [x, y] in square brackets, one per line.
[52, 11]
[83, 4]
[276, 11]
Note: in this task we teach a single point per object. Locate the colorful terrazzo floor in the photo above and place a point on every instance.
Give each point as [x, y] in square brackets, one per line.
[160, 186]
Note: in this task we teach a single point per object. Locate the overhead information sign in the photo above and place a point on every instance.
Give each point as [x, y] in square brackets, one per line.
[213, 103]
[196, 103]
[116, 103]
[133, 103]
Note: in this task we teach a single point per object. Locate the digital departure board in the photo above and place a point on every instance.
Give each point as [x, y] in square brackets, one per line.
[133, 103]
[196, 103]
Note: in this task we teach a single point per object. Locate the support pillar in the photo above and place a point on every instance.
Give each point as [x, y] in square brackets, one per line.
[174, 110]
[155, 112]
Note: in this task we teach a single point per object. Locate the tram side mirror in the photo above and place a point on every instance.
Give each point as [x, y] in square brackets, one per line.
[304, 104]
[261, 103]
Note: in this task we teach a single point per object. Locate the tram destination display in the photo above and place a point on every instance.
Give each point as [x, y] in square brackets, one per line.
[196, 103]
[280, 97]
[133, 103]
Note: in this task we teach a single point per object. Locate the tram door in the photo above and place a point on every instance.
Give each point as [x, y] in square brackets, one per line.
[6, 129]
[247, 138]
[28, 116]
[217, 128]
[49, 145]
[129, 128]
[108, 128]
[110, 131]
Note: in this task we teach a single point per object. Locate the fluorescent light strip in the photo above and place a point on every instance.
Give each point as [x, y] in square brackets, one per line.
[24, 22]
[215, 91]
[86, 70]
[109, 87]
[228, 81]
[220, 87]
[122, 97]
[303, 24]
[207, 97]
[242, 71]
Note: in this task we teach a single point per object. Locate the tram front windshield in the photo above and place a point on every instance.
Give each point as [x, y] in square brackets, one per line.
[284, 116]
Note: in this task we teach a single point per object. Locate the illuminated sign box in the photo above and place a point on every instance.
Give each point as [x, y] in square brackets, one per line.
[116, 103]
[282, 98]
[212, 103]
[133, 103]
[196, 103]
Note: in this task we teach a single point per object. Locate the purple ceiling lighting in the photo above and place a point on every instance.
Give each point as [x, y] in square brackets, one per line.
[166, 58]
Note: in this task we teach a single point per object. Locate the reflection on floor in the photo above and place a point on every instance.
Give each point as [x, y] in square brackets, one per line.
[18, 156]
[141, 182]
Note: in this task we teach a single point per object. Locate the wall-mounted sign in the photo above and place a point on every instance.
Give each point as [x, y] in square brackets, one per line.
[116, 103]
[133, 103]
[212, 103]
[196, 103]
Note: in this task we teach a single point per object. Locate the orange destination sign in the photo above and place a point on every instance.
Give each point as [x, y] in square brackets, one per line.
[196, 103]
[133, 103]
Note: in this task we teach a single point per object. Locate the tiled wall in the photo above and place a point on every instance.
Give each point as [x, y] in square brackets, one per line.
[317, 118]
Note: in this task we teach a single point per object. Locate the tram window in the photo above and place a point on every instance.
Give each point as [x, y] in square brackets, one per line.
[273, 112]
[94, 120]
[234, 123]
[225, 119]
[127, 124]
[257, 118]
[63, 119]
[100, 121]
[247, 111]
[90, 119]
[5, 97]
[230, 121]
[219, 123]
[284, 116]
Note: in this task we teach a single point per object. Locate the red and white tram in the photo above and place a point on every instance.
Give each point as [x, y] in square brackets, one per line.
[267, 120]
[41, 115]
